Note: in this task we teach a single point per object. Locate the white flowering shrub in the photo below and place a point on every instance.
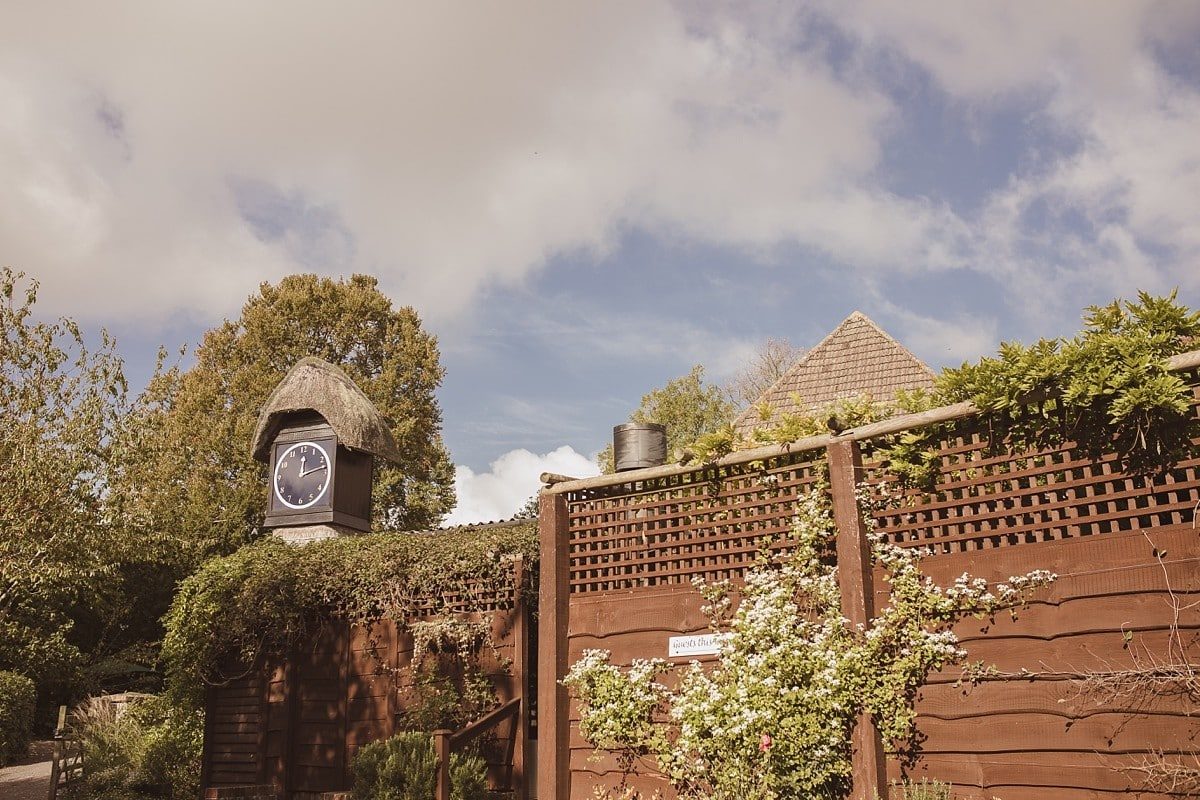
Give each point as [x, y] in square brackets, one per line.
[772, 719]
[630, 698]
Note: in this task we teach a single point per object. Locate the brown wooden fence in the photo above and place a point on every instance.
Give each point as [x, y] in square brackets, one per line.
[296, 726]
[1057, 716]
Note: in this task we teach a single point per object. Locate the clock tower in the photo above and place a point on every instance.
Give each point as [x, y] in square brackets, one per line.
[320, 435]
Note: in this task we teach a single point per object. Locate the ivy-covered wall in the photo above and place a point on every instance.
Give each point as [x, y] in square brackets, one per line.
[302, 655]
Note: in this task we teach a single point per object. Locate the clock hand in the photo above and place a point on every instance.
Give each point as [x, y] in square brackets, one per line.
[304, 472]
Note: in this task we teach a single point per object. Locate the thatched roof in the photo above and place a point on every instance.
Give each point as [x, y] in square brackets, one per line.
[856, 358]
[316, 385]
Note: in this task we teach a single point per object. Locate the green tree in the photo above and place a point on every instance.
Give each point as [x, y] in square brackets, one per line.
[186, 472]
[689, 407]
[60, 403]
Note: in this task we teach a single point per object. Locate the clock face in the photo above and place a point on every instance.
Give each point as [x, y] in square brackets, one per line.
[302, 474]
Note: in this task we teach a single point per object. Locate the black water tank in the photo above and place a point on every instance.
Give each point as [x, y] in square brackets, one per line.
[639, 444]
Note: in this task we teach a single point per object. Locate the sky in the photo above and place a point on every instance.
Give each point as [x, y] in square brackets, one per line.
[582, 200]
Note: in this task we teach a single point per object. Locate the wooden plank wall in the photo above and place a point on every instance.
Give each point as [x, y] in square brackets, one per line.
[1057, 732]
[1125, 548]
[318, 753]
[298, 725]
[633, 554]
[1127, 554]
[231, 735]
[275, 733]
[371, 694]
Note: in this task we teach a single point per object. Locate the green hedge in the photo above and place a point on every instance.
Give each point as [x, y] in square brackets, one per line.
[18, 697]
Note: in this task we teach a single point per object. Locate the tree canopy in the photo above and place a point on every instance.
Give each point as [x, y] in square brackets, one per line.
[107, 504]
[186, 469]
[60, 403]
[687, 405]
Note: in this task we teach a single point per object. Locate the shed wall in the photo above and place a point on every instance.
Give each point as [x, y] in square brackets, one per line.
[298, 725]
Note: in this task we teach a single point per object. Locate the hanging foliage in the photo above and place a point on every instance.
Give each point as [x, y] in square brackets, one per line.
[1107, 390]
[269, 596]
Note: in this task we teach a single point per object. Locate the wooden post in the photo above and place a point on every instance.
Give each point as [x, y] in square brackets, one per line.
[554, 776]
[206, 754]
[393, 678]
[858, 604]
[287, 755]
[520, 634]
[441, 745]
[60, 752]
[265, 673]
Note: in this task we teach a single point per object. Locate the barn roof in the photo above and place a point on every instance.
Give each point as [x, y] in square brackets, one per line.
[316, 385]
[857, 358]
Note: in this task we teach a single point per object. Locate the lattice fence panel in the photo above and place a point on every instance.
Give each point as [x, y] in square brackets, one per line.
[985, 499]
[480, 597]
[706, 523]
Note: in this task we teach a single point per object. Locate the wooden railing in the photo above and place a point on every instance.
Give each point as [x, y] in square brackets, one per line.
[67, 766]
[445, 742]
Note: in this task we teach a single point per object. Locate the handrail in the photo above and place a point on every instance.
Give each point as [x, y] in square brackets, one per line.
[469, 733]
[445, 740]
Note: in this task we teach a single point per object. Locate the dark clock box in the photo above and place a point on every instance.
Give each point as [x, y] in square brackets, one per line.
[347, 498]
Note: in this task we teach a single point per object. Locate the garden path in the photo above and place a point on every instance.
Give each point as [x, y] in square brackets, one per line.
[30, 778]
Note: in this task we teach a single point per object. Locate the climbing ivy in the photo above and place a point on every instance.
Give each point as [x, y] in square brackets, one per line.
[1107, 389]
[788, 426]
[269, 596]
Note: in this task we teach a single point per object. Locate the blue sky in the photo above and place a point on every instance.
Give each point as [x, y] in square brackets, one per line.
[583, 200]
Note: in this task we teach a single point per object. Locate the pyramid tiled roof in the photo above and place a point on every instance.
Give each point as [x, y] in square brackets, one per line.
[857, 358]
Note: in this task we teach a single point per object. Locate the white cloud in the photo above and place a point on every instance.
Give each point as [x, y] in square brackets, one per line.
[947, 341]
[512, 480]
[637, 336]
[165, 158]
[446, 146]
[983, 50]
[1110, 213]
[1118, 214]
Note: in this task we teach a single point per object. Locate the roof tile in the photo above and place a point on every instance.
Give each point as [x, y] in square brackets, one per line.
[856, 358]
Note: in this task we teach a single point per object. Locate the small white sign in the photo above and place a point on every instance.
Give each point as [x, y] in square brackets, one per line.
[700, 644]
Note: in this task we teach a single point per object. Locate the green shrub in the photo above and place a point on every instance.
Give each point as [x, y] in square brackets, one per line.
[17, 701]
[150, 749]
[404, 767]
